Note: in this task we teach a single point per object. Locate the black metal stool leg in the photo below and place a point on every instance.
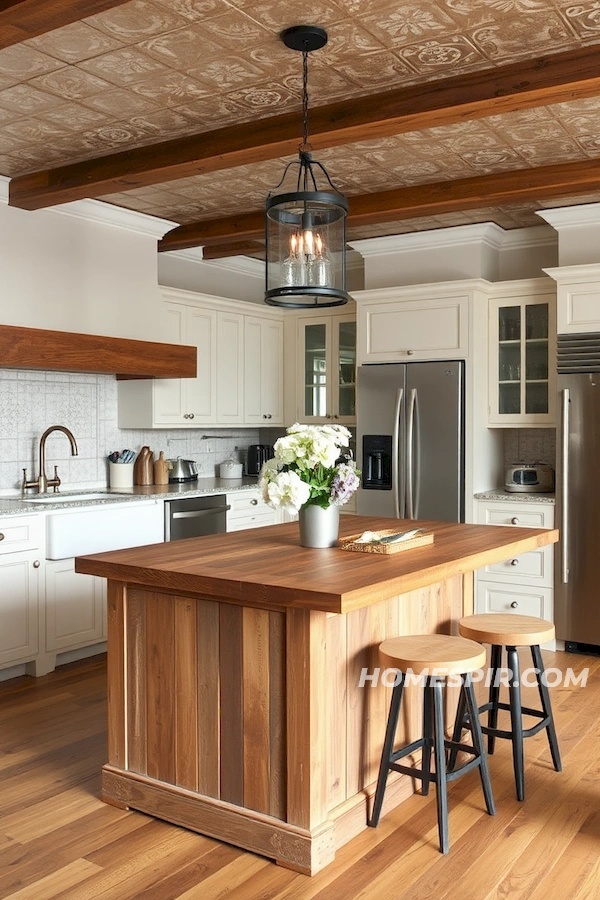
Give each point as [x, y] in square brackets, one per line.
[538, 662]
[388, 749]
[478, 744]
[516, 720]
[495, 666]
[458, 727]
[428, 738]
[434, 684]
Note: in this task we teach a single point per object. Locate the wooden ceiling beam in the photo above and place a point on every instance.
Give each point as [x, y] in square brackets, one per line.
[234, 248]
[24, 19]
[543, 183]
[551, 79]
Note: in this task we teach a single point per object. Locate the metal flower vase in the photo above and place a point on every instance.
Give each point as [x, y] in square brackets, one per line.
[319, 527]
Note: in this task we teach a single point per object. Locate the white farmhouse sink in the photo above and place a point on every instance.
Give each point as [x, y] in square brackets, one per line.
[72, 498]
[95, 529]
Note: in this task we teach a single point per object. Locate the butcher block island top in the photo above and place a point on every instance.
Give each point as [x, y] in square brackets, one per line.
[237, 702]
[268, 568]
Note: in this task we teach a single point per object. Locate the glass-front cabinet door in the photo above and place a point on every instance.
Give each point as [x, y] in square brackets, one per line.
[327, 356]
[522, 362]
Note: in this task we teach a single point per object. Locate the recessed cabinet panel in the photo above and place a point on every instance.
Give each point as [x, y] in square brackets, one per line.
[74, 606]
[19, 588]
[405, 331]
[263, 367]
[230, 361]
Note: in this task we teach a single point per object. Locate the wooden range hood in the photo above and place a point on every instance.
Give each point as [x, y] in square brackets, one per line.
[64, 351]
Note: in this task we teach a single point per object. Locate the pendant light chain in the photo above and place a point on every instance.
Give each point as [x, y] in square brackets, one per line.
[305, 144]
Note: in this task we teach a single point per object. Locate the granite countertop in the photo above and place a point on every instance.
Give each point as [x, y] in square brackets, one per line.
[514, 497]
[15, 505]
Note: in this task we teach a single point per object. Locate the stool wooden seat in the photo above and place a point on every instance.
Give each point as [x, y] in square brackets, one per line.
[433, 658]
[511, 631]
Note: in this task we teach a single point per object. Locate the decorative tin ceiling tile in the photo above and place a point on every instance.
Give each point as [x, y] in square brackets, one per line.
[120, 103]
[583, 18]
[124, 66]
[406, 23]
[183, 48]
[194, 9]
[73, 117]
[70, 83]
[277, 15]
[73, 43]
[444, 56]
[227, 72]
[525, 36]
[544, 153]
[170, 88]
[135, 21]
[19, 62]
[235, 31]
[27, 99]
[376, 71]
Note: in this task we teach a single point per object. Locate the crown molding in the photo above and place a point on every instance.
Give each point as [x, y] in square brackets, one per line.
[488, 234]
[571, 216]
[590, 272]
[243, 265]
[104, 214]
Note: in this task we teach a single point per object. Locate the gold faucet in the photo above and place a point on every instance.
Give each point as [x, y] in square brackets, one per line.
[42, 483]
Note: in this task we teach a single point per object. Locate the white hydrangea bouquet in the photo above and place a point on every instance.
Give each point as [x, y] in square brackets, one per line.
[305, 469]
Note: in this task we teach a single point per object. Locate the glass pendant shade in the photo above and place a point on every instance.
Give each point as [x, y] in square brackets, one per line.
[305, 227]
[306, 249]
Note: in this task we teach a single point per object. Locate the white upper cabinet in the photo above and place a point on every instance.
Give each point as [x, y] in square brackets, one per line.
[578, 298]
[327, 369]
[263, 368]
[239, 369]
[407, 325]
[522, 357]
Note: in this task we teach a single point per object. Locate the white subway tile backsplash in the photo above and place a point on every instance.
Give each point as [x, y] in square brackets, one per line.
[87, 404]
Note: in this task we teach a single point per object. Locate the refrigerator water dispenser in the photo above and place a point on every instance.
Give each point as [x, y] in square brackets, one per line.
[377, 456]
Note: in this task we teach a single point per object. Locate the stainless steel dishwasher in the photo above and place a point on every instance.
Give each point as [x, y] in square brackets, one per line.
[195, 517]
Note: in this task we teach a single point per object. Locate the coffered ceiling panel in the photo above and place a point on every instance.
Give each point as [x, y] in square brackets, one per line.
[141, 73]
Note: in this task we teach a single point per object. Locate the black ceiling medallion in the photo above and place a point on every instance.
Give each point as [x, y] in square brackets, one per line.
[305, 224]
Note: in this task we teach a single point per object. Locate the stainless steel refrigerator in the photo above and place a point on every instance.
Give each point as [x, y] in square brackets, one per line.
[577, 555]
[410, 440]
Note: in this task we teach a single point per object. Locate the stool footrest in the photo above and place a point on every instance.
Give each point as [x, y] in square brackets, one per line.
[508, 735]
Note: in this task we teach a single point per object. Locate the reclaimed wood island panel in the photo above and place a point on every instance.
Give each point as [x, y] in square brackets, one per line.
[234, 665]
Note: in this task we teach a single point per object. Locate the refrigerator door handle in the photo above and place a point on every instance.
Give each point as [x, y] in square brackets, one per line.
[410, 456]
[396, 452]
[564, 478]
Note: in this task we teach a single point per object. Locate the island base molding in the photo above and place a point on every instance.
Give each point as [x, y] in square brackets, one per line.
[294, 848]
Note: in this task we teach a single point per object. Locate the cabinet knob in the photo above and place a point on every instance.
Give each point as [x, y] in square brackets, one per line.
[191, 416]
[410, 352]
[514, 520]
[514, 605]
[269, 416]
[36, 564]
[185, 416]
[254, 502]
[514, 562]
[1, 536]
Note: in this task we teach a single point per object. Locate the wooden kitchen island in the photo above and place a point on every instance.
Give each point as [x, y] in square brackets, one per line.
[233, 675]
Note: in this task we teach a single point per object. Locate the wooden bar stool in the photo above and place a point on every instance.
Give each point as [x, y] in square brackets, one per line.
[433, 657]
[511, 631]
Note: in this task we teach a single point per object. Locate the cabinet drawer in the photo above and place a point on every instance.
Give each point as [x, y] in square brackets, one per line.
[244, 503]
[255, 521]
[535, 568]
[19, 533]
[529, 515]
[497, 598]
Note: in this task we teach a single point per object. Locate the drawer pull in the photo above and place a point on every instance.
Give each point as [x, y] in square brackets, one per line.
[1, 536]
[514, 562]
[514, 520]
[36, 564]
[514, 605]
[254, 502]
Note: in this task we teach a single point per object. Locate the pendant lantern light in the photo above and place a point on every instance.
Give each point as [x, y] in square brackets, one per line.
[305, 224]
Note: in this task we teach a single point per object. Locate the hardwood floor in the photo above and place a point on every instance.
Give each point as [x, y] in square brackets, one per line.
[58, 840]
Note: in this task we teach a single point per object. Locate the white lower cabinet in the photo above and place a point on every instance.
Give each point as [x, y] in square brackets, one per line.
[248, 510]
[523, 584]
[74, 607]
[20, 568]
